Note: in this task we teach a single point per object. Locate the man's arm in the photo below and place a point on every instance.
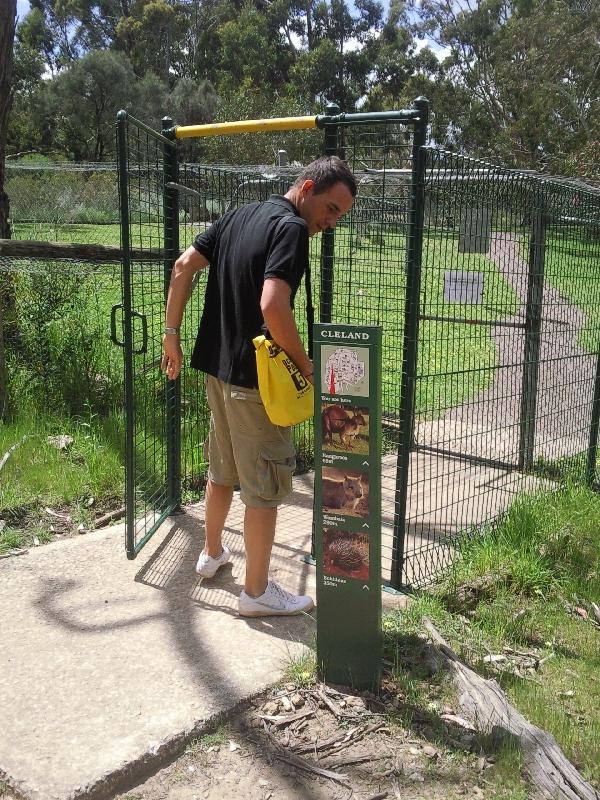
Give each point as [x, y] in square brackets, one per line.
[279, 318]
[184, 269]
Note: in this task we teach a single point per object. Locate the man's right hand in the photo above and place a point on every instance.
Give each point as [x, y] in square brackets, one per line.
[172, 356]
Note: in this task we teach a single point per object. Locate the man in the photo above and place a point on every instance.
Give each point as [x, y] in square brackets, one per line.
[257, 254]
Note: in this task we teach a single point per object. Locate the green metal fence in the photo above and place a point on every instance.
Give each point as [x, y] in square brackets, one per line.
[485, 281]
[359, 273]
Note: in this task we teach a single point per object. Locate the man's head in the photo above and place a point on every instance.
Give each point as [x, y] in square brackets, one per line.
[324, 192]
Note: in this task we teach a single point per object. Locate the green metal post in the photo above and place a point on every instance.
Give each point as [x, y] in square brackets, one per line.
[328, 236]
[171, 239]
[411, 333]
[590, 472]
[127, 335]
[533, 328]
[327, 257]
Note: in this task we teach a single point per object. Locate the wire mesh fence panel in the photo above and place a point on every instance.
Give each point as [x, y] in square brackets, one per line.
[144, 206]
[504, 383]
[64, 202]
[368, 285]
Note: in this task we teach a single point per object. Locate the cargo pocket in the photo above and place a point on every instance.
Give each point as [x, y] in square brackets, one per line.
[275, 466]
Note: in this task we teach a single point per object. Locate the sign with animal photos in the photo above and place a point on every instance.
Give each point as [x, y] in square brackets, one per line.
[347, 510]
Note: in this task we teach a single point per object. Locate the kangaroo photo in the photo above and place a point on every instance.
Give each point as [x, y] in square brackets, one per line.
[345, 428]
[345, 492]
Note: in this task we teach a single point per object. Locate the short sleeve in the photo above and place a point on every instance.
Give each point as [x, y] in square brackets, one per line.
[205, 242]
[288, 254]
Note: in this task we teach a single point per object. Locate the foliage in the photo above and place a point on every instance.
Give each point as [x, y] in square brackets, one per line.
[58, 353]
[524, 77]
[513, 81]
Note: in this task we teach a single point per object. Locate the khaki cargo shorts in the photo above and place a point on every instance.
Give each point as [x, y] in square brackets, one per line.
[244, 448]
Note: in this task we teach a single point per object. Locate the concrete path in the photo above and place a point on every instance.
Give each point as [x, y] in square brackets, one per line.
[106, 665]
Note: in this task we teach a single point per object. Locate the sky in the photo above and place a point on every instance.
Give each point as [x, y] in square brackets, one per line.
[22, 8]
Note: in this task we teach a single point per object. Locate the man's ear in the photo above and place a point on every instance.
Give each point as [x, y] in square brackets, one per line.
[308, 185]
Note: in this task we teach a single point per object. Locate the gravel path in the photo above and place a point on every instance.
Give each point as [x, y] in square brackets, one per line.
[488, 425]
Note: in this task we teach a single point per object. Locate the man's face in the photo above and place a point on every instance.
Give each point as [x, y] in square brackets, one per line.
[322, 211]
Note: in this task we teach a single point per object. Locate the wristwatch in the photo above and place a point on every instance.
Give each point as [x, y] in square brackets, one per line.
[174, 331]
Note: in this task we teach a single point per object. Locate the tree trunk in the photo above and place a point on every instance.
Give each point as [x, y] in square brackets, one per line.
[484, 703]
[8, 15]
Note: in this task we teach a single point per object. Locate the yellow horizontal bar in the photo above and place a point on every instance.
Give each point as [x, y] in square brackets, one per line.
[245, 126]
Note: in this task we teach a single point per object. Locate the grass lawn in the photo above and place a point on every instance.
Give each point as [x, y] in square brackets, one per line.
[81, 481]
[516, 587]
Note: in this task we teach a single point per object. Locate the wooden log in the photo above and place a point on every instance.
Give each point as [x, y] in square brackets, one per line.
[485, 704]
[53, 251]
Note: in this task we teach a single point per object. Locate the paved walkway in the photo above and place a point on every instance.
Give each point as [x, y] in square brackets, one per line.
[106, 665]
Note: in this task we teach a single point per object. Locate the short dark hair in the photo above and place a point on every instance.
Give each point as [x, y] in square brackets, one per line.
[325, 172]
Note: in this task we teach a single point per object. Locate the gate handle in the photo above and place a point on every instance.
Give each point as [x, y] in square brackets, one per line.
[113, 325]
[144, 348]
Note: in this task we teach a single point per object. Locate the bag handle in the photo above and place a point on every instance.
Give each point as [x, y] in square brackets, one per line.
[310, 310]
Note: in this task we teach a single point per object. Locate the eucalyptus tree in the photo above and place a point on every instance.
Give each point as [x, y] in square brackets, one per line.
[525, 74]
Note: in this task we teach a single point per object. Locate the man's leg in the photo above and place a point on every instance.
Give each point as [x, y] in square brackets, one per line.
[216, 508]
[259, 533]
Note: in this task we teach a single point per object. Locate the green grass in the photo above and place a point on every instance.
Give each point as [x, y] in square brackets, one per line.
[301, 671]
[80, 480]
[509, 588]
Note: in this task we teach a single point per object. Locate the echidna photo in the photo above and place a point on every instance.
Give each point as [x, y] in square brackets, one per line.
[346, 554]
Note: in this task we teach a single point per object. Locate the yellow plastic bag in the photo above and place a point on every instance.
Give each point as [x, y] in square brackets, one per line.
[287, 395]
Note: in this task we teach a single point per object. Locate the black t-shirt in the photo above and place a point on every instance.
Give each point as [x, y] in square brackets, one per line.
[245, 246]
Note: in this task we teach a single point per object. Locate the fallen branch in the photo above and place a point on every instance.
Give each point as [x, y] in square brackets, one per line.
[281, 721]
[337, 712]
[10, 450]
[12, 553]
[116, 514]
[96, 253]
[339, 740]
[484, 702]
[301, 763]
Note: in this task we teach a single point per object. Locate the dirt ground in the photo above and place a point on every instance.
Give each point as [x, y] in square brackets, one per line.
[317, 743]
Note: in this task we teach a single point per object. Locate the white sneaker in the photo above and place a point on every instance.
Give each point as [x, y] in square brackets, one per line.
[207, 566]
[275, 601]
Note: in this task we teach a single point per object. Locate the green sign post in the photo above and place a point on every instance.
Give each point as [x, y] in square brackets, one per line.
[348, 503]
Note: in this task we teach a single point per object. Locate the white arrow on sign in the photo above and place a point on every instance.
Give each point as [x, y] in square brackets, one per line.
[366, 462]
[365, 525]
[366, 587]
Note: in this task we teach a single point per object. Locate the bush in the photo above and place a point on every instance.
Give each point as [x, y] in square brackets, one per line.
[59, 353]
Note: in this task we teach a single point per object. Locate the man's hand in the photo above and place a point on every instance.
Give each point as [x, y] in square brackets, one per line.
[173, 356]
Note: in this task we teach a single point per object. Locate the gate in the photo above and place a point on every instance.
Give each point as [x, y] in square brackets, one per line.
[367, 265]
[147, 162]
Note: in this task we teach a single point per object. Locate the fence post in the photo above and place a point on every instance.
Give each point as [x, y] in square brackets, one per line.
[328, 236]
[533, 327]
[171, 241]
[330, 148]
[590, 471]
[414, 253]
[127, 334]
